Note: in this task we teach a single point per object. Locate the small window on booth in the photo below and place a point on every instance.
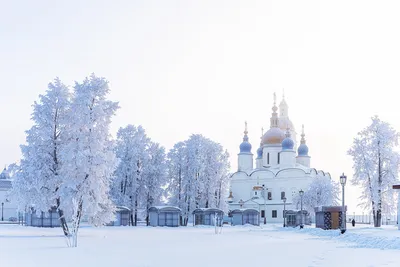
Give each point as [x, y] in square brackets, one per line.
[262, 213]
[269, 195]
[282, 195]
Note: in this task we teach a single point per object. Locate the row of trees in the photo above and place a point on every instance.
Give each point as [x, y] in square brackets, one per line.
[70, 162]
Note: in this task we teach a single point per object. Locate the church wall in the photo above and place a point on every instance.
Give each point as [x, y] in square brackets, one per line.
[287, 158]
[289, 181]
[9, 209]
[245, 162]
[272, 151]
[303, 160]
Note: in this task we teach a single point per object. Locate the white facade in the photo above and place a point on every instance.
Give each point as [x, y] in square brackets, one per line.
[7, 209]
[280, 171]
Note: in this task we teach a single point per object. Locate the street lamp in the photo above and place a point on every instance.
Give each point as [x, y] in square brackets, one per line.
[301, 193]
[343, 183]
[265, 205]
[284, 211]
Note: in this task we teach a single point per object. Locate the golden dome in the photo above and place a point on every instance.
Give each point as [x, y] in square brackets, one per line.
[273, 136]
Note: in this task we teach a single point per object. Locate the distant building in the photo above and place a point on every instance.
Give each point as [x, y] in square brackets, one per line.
[8, 209]
[279, 171]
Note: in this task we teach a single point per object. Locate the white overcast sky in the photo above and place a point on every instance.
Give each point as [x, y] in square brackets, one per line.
[183, 67]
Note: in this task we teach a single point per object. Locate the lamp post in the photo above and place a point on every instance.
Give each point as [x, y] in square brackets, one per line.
[343, 183]
[301, 193]
[265, 205]
[284, 211]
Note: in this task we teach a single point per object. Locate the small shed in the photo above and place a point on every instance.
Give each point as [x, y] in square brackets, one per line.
[295, 218]
[43, 219]
[164, 216]
[207, 216]
[122, 216]
[329, 217]
[245, 216]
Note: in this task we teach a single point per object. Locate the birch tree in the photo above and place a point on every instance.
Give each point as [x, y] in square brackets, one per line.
[88, 157]
[376, 166]
[37, 179]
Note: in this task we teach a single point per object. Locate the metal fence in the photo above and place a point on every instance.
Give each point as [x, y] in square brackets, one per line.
[369, 219]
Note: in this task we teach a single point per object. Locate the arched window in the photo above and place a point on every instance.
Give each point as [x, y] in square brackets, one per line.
[268, 158]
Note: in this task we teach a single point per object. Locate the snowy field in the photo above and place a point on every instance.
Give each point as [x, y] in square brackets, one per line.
[269, 245]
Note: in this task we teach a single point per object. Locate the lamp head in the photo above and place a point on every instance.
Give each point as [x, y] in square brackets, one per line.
[343, 179]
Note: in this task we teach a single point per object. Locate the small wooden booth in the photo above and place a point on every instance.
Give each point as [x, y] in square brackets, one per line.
[329, 217]
[295, 218]
[164, 216]
[208, 216]
[122, 216]
[245, 216]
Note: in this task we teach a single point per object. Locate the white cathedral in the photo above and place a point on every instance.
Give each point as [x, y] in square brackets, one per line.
[279, 171]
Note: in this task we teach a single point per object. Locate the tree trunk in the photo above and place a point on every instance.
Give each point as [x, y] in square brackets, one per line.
[63, 221]
[75, 224]
[136, 205]
[131, 219]
[377, 223]
[378, 218]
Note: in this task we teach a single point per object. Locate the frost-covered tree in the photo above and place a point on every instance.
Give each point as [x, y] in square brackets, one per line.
[88, 157]
[132, 152]
[197, 175]
[37, 179]
[176, 175]
[376, 166]
[154, 176]
[322, 191]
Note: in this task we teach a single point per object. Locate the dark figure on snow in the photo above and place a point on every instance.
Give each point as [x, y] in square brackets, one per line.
[353, 222]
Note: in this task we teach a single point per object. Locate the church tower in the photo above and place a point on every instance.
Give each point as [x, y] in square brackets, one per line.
[284, 121]
[288, 155]
[245, 157]
[303, 158]
[272, 140]
[259, 159]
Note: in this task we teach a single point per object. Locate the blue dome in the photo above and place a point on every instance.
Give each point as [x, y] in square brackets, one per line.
[303, 150]
[259, 152]
[245, 147]
[287, 144]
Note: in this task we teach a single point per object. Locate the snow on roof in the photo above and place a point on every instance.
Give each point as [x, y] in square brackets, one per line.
[245, 209]
[123, 208]
[208, 210]
[164, 207]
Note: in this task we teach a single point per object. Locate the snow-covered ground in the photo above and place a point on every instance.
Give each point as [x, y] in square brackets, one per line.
[269, 245]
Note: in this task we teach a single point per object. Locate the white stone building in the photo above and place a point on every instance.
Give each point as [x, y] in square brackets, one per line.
[8, 210]
[279, 172]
